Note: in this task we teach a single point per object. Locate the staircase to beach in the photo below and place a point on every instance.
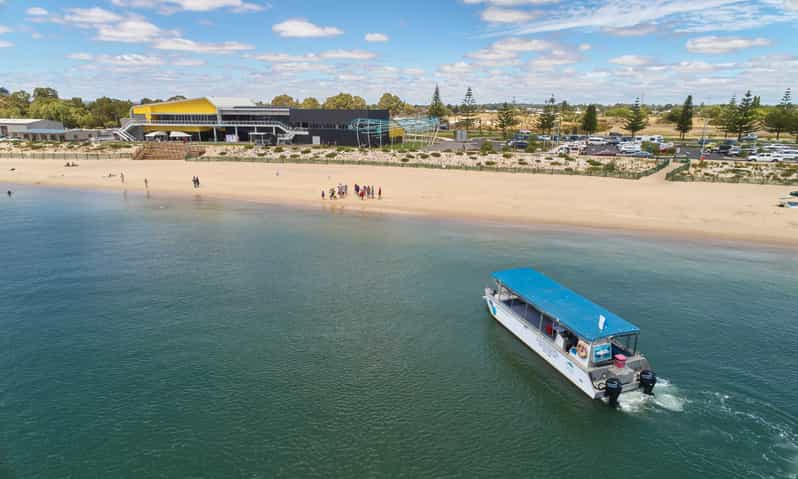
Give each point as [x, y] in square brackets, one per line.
[167, 151]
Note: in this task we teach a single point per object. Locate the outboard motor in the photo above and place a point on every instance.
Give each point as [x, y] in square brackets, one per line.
[647, 381]
[613, 390]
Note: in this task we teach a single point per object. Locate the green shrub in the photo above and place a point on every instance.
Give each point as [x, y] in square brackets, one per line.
[306, 151]
[507, 155]
[490, 163]
[222, 153]
[569, 169]
[249, 147]
[522, 162]
[279, 149]
[261, 154]
[447, 150]
[283, 157]
[593, 162]
[486, 148]
[405, 160]
[423, 156]
[459, 153]
[331, 154]
[435, 154]
[556, 163]
[294, 156]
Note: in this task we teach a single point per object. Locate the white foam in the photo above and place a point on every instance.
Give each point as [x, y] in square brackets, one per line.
[666, 396]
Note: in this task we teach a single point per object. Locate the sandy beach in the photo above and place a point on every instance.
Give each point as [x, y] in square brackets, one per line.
[651, 205]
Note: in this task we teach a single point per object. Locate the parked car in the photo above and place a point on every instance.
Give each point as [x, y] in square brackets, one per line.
[766, 157]
[749, 137]
[596, 140]
[613, 140]
[629, 147]
[544, 138]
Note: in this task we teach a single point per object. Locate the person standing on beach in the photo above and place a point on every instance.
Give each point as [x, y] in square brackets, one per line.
[379, 193]
[198, 183]
[122, 177]
[146, 184]
[322, 194]
[9, 193]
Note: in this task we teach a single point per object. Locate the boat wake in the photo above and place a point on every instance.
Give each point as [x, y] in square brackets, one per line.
[666, 396]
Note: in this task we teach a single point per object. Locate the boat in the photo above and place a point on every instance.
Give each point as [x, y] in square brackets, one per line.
[592, 347]
[788, 202]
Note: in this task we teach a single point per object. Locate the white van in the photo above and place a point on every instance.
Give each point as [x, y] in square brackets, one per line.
[652, 138]
[630, 147]
[596, 140]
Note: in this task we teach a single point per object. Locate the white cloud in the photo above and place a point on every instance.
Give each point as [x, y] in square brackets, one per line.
[583, 47]
[283, 57]
[506, 15]
[5, 44]
[4, 29]
[521, 45]
[129, 31]
[630, 60]
[186, 45]
[556, 58]
[130, 60]
[347, 55]
[701, 67]
[81, 56]
[90, 16]
[300, 67]
[634, 31]
[376, 37]
[455, 68]
[414, 71]
[36, 11]
[172, 6]
[36, 36]
[301, 28]
[189, 62]
[713, 44]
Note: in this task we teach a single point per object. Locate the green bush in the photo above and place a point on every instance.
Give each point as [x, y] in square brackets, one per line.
[556, 163]
[435, 154]
[490, 163]
[279, 149]
[331, 154]
[447, 150]
[593, 162]
[507, 155]
[294, 156]
[486, 148]
[306, 151]
[249, 147]
[522, 162]
[261, 154]
[405, 160]
[222, 153]
[423, 156]
[459, 153]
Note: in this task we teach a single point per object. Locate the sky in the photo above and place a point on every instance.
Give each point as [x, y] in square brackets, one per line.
[583, 51]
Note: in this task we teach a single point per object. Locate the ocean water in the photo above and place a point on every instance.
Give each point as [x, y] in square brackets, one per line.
[152, 337]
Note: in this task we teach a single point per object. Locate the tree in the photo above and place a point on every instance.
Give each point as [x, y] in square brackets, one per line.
[4, 91]
[436, 106]
[548, 118]
[468, 109]
[636, 120]
[310, 103]
[684, 122]
[590, 120]
[176, 98]
[746, 116]
[727, 120]
[779, 118]
[344, 101]
[283, 100]
[392, 103]
[507, 118]
[45, 93]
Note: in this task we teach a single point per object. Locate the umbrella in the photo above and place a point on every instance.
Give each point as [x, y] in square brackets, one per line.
[155, 133]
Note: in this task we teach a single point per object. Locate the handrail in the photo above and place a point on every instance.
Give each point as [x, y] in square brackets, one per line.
[144, 122]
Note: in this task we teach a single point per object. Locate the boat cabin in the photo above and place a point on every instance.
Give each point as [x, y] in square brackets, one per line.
[597, 340]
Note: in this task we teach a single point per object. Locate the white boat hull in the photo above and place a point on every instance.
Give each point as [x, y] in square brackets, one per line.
[545, 348]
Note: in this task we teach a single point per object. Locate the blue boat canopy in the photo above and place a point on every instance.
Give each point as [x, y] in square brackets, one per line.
[572, 310]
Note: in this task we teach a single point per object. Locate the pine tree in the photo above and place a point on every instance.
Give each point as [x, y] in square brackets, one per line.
[636, 120]
[468, 109]
[436, 106]
[728, 117]
[548, 118]
[590, 120]
[779, 118]
[746, 116]
[685, 121]
[507, 118]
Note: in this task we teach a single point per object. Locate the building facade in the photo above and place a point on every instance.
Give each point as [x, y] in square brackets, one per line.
[32, 129]
[241, 120]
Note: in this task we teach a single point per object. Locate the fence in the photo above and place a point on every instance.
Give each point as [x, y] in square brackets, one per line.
[677, 175]
[66, 156]
[532, 170]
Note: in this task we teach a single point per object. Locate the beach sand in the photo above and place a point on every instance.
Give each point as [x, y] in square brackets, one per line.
[652, 205]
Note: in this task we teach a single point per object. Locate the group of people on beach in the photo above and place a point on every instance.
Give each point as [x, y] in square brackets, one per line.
[196, 182]
[70, 164]
[363, 191]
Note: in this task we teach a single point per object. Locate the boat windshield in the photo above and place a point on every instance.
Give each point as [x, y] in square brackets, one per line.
[626, 344]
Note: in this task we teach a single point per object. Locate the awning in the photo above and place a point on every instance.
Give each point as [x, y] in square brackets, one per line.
[572, 310]
[179, 134]
[155, 134]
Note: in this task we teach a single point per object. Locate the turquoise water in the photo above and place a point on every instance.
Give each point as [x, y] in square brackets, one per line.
[195, 338]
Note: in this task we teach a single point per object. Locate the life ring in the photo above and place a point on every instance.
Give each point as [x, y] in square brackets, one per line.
[581, 349]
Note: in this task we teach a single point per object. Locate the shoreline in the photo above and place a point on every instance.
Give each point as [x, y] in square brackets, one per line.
[650, 207]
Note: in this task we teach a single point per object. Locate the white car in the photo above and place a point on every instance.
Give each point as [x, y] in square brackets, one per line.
[596, 140]
[544, 138]
[766, 157]
[630, 147]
